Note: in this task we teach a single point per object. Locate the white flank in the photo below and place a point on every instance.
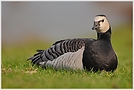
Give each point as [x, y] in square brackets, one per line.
[70, 60]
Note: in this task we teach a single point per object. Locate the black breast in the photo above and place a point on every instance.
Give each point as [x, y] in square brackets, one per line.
[99, 55]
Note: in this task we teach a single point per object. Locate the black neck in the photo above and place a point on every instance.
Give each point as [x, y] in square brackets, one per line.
[105, 36]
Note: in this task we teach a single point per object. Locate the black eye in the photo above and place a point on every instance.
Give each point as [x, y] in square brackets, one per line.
[103, 20]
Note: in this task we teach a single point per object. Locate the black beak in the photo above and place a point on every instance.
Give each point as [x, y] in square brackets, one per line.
[95, 26]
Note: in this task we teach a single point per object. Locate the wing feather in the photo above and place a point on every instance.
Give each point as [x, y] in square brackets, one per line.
[63, 47]
[70, 60]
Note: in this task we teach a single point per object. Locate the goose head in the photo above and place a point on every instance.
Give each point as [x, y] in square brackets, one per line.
[101, 24]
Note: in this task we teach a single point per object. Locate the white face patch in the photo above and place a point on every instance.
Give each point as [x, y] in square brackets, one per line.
[101, 24]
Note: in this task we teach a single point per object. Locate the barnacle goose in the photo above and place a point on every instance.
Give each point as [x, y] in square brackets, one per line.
[81, 53]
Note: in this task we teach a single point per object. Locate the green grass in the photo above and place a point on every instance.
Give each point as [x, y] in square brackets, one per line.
[18, 73]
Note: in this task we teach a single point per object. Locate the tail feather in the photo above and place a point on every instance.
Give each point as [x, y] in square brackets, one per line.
[40, 51]
[36, 59]
[29, 58]
[37, 62]
[37, 54]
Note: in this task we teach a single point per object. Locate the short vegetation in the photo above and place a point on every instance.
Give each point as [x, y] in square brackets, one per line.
[17, 72]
